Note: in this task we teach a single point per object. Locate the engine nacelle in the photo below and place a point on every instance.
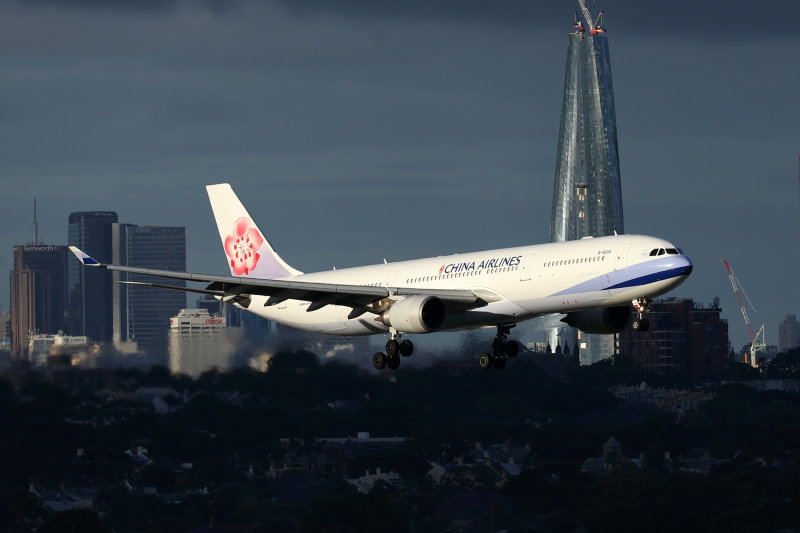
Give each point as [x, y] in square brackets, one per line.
[601, 321]
[416, 314]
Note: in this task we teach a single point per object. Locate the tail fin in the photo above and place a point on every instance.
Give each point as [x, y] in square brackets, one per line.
[249, 253]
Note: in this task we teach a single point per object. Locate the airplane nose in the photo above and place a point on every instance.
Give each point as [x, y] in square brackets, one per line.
[684, 265]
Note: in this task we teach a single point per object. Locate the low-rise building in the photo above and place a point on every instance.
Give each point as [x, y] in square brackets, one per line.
[198, 342]
[367, 482]
[684, 338]
[41, 346]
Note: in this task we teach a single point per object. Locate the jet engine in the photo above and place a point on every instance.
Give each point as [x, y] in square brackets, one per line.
[599, 321]
[416, 314]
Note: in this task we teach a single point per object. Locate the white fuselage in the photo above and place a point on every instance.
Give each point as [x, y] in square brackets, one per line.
[519, 283]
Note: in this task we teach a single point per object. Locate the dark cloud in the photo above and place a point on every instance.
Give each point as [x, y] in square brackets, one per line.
[356, 131]
[218, 6]
[733, 20]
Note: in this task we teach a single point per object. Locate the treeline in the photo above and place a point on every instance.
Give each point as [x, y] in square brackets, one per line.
[223, 422]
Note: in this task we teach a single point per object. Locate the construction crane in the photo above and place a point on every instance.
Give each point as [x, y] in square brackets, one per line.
[756, 337]
[595, 25]
[578, 23]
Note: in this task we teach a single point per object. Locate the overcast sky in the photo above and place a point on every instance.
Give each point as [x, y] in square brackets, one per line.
[357, 130]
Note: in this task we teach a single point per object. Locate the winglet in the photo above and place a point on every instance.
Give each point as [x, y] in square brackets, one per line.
[84, 258]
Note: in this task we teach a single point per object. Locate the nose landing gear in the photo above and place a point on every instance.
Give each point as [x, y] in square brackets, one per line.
[641, 306]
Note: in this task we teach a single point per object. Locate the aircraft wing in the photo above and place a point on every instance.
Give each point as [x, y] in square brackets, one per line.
[361, 298]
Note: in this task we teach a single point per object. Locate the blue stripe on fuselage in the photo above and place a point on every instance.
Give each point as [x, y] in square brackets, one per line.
[658, 276]
[667, 267]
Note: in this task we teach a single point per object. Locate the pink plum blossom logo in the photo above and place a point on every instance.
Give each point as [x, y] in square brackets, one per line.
[241, 247]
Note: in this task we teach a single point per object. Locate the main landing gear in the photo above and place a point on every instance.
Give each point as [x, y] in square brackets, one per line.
[641, 323]
[394, 349]
[501, 348]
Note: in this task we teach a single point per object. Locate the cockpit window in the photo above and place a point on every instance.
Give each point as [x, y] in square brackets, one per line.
[663, 251]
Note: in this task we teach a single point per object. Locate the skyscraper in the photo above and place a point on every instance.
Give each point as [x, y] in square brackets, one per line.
[142, 314]
[90, 288]
[587, 193]
[788, 333]
[38, 293]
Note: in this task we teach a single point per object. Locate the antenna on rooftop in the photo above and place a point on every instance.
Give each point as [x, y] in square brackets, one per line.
[35, 224]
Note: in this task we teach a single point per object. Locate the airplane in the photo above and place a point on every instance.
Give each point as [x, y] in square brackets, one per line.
[593, 281]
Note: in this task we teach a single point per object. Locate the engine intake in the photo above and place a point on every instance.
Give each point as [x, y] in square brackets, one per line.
[601, 321]
[416, 314]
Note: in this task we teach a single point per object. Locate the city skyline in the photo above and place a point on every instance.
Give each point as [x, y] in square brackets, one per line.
[326, 116]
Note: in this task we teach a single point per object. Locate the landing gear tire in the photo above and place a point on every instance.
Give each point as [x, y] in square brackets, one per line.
[640, 324]
[406, 348]
[379, 360]
[499, 362]
[485, 361]
[498, 348]
[392, 347]
[645, 325]
[512, 348]
[393, 361]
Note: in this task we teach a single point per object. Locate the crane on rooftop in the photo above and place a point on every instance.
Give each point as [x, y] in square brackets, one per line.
[757, 337]
[595, 25]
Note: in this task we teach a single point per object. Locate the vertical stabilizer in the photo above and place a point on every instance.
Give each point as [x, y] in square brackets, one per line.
[248, 252]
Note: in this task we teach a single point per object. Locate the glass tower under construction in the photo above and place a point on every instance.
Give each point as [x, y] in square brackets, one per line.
[587, 194]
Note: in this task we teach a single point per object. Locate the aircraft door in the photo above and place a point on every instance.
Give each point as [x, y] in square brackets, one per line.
[621, 260]
[527, 268]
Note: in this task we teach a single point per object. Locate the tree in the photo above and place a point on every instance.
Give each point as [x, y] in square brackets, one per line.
[83, 520]
[785, 365]
[741, 371]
